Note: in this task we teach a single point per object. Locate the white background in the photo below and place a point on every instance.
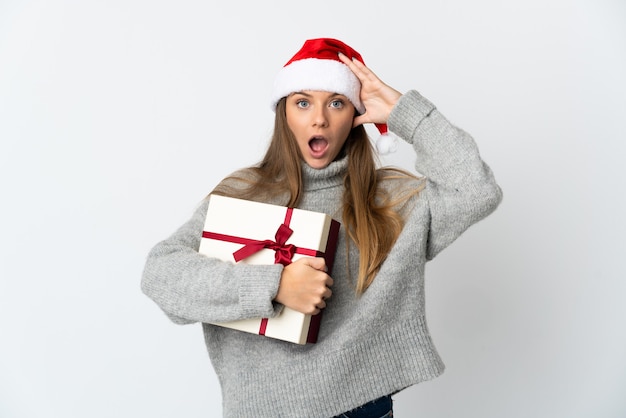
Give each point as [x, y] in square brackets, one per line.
[118, 116]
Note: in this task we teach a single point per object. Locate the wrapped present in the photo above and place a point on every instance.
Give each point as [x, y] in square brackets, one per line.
[243, 231]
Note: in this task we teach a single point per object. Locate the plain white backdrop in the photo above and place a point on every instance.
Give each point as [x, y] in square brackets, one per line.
[118, 116]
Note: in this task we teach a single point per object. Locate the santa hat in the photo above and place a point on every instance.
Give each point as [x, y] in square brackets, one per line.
[316, 66]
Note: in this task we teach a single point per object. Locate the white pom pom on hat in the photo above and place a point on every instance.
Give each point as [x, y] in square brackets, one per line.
[387, 142]
[316, 66]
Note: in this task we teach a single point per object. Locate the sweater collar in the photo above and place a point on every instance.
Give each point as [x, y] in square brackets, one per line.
[330, 176]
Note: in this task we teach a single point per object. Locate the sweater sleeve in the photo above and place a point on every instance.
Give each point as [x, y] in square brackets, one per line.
[460, 189]
[191, 287]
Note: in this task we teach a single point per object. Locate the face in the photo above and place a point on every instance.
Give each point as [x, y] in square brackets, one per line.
[321, 122]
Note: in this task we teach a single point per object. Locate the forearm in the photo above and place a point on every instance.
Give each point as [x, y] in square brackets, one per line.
[191, 287]
[461, 189]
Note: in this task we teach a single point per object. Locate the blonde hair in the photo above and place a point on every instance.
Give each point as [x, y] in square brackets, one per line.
[370, 213]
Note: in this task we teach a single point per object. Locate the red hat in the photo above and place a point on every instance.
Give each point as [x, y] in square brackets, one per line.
[316, 66]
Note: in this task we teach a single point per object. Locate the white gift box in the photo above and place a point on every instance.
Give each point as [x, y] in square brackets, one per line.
[243, 231]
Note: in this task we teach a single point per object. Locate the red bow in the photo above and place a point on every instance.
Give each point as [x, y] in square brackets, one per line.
[283, 252]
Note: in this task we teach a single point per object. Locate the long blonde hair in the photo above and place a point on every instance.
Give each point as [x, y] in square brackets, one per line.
[369, 215]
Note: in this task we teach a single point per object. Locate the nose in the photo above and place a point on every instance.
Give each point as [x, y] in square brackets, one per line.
[320, 119]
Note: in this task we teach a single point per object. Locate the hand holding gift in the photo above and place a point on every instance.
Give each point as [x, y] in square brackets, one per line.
[305, 286]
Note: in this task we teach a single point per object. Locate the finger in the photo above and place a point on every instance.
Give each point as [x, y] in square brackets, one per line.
[360, 120]
[318, 263]
[344, 58]
[329, 281]
[357, 67]
[362, 71]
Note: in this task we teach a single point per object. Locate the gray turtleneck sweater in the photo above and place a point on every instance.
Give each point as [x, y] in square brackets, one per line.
[368, 346]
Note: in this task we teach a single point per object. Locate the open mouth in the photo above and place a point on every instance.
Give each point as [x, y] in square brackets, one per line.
[318, 144]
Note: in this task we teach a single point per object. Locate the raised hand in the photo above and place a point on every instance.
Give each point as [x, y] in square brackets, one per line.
[377, 97]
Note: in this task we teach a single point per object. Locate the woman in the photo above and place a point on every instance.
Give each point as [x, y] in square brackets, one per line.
[373, 339]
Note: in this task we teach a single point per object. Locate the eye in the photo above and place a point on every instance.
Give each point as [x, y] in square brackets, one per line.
[337, 104]
[302, 103]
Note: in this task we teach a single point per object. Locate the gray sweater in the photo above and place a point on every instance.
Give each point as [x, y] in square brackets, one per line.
[368, 346]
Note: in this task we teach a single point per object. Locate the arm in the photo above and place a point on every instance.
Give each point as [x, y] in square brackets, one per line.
[190, 287]
[461, 189]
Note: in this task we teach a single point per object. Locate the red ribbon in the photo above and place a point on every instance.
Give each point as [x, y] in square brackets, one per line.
[283, 252]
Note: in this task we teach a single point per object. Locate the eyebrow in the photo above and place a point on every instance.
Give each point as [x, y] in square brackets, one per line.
[331, 94]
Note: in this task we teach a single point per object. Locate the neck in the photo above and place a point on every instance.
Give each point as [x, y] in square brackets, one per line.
[329, 176]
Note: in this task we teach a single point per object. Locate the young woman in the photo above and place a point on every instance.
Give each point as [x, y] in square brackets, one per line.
[373, 339]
